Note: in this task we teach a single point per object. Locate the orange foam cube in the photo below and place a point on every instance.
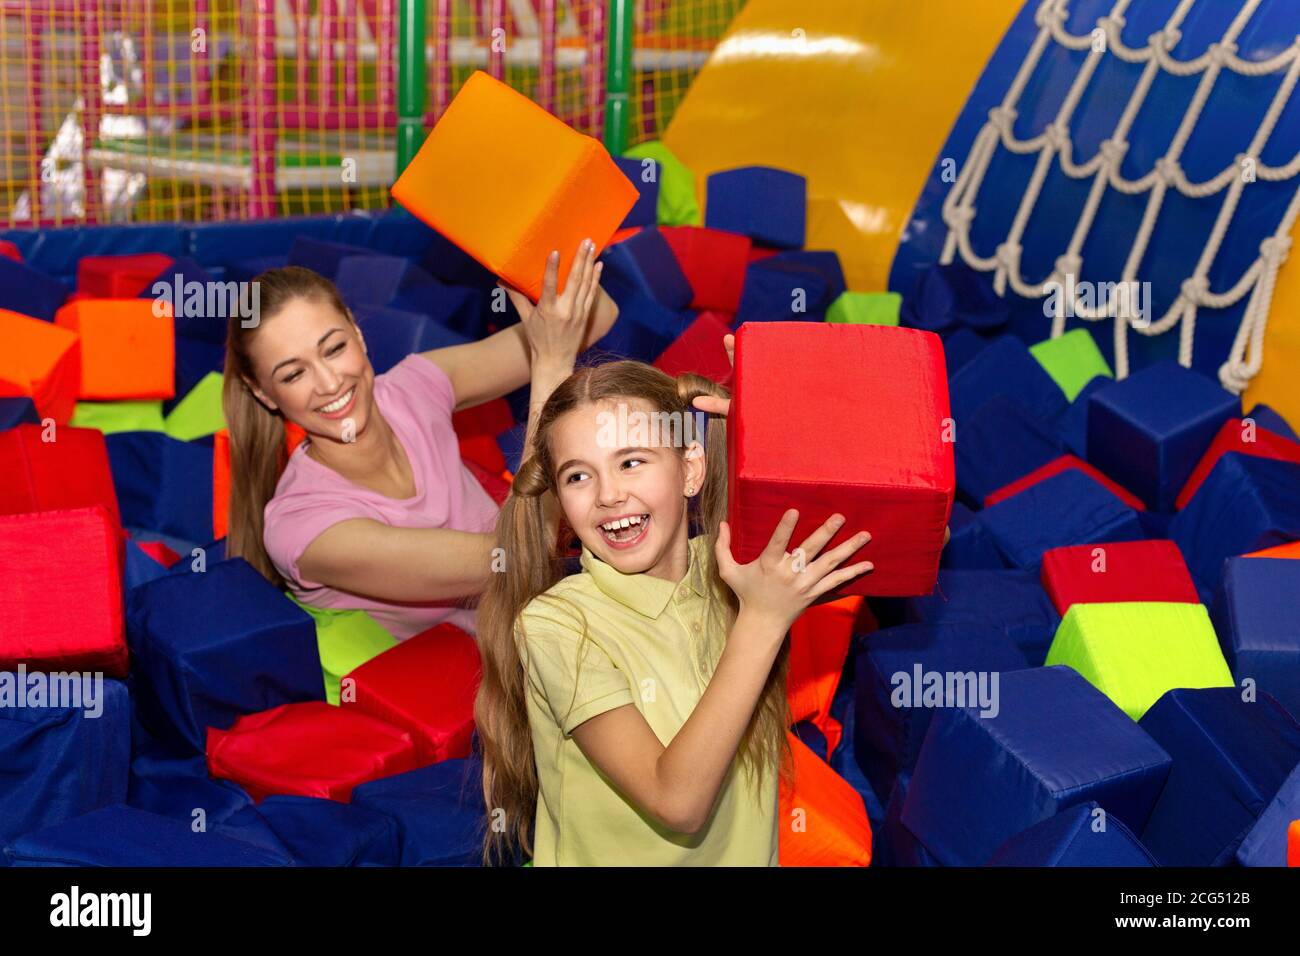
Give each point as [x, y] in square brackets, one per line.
[508, 183]
[220, 483]
[819, 644]
[127, 351]
[1293, 844]
[1289, 550]
[823, 821]
[40, 361]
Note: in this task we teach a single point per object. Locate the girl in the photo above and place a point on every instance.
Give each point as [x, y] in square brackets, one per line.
[635, 713]
[379, 474]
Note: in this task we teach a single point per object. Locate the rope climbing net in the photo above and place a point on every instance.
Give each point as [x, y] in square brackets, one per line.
[1257, 281]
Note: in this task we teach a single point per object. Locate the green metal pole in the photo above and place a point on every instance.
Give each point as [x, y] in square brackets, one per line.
[411, 87]
[618, 107]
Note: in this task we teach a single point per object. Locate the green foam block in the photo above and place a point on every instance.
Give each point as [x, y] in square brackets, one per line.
[865, 308]
[199, 413]
[678, 205]
[345, 640]
[1135, 651]
[112, 417]
[1073, 360]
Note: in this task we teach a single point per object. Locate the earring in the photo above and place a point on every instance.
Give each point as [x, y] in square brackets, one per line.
[690, 489]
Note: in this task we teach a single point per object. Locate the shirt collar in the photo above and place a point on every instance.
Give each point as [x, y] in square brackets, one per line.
[645, 593]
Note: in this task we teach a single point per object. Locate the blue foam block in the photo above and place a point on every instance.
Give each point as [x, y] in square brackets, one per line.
[322, 256]
[897, 845]
[122, 836]
[643, 329]
[194, 360]
[894, 669]
[1266, 417]
[645, 265]
[398, 283]
[1069, 508]
[1012, 601]
[57, 762]
[1265, 844]
[644, 175]
[1057, 741]
[29, 291]
[211, 647]
[511, 444]
[1255, 615]
[438, 810]
[1083, 835]
[782, 292]
[970, 547]
[317, 832]
[1230, 759]
[162, 484]
[825, 262]
[393, 334]
[959, 347]
[842, 761]
[953, 296]
[447, 261]
[139, 568]
[1149, 430]
[190, 305]
[1072, 425]
[179, 786]
[245, 270]
[997, 444]
[1245, 504]
[17, 411]
[1005, 367]
[768, 205]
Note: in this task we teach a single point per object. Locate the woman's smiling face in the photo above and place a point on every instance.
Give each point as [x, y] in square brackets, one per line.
[640, 489]
[311, 364]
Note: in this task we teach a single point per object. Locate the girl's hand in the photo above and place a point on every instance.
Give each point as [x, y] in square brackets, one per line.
[710, 403]
[557, 324]
[777, 586]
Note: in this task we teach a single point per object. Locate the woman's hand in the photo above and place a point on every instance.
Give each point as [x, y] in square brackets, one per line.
[778, 585]
[556, 326]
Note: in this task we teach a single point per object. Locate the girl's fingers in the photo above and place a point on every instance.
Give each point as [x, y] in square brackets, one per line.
[842, 552]
[836, 578]
[523, 305]
[776, 547]
[817, 540]
[712, 404]
[577, 269]
[551, 277]
[729, 343]
[722, 549]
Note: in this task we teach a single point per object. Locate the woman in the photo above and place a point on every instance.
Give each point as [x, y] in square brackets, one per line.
[374, 509]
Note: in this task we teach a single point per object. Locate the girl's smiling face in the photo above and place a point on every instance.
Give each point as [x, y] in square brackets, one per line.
[641, 488]
[312, 365]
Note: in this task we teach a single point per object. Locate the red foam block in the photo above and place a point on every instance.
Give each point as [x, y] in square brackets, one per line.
[71, 471]
[714, 263]
[1233, 436]
[1055, 467]
[310, 749]
[699, 349]
[61, 603]
[426, 686]
[10, 251]
[1117, 571]
[119, 277]
[852, 419]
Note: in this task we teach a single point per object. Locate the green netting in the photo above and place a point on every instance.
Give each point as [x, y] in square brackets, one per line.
[111, 417]
[346, 640]
[678, 205]
[198, 413]
[866, 308]
[1135, 651]
[1073, 360]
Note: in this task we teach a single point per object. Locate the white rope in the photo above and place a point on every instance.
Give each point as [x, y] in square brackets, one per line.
[1053, 146]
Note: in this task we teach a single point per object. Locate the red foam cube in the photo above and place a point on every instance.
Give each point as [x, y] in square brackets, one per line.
[1115, 572]
[69, 471]
[700, 349]
[713, 261]
[1233, 435]
[309, 749]
[61, 603]
[10, 251]
[1055, 467]
[119, 277]
[852, 419]
[426, 686]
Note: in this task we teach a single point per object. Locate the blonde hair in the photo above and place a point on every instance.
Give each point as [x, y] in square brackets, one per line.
[258, 453]
[509, 769]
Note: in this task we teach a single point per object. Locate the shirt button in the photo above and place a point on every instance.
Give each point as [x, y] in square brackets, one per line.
[696, 627]
[683, 593]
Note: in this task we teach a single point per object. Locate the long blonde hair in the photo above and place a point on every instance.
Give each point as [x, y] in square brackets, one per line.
[536, 564]
[258, 453]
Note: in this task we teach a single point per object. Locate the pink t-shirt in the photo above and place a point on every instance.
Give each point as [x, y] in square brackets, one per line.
[416, 399]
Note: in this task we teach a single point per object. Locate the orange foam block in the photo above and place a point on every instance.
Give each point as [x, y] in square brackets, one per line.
[1289, 550]
[823, 821]
[127, 351]
[508, 183]
[1293, 844]
[41, 361]
[819, 644]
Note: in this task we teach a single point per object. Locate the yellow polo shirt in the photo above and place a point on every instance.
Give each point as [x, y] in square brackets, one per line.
[641, 645]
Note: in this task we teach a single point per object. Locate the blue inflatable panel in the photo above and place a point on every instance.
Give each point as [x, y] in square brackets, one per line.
[1072, 426]
[1012, 601]
[214, 243]
[317, 832]
[1069, 508]
[56, 252]
[997, 444]
[952, 296]
[17, 411]
[1083, 835]
[1245, 504]
[393, 334]
[768, 205]
[1265, 417]
[970, 547]
[1255, 615]
[1149, 431]
[211, 647]
[59, 762]
[438, 810]
[30, 292]
[1057, 741]
[1005, 367]
[645, 265]
[122, 836]
[900, 685]
[1265, 844]
[1231, 757]
[162, 484]
[644, 175]
[397, 233]
[246, 270]
[782, 292]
